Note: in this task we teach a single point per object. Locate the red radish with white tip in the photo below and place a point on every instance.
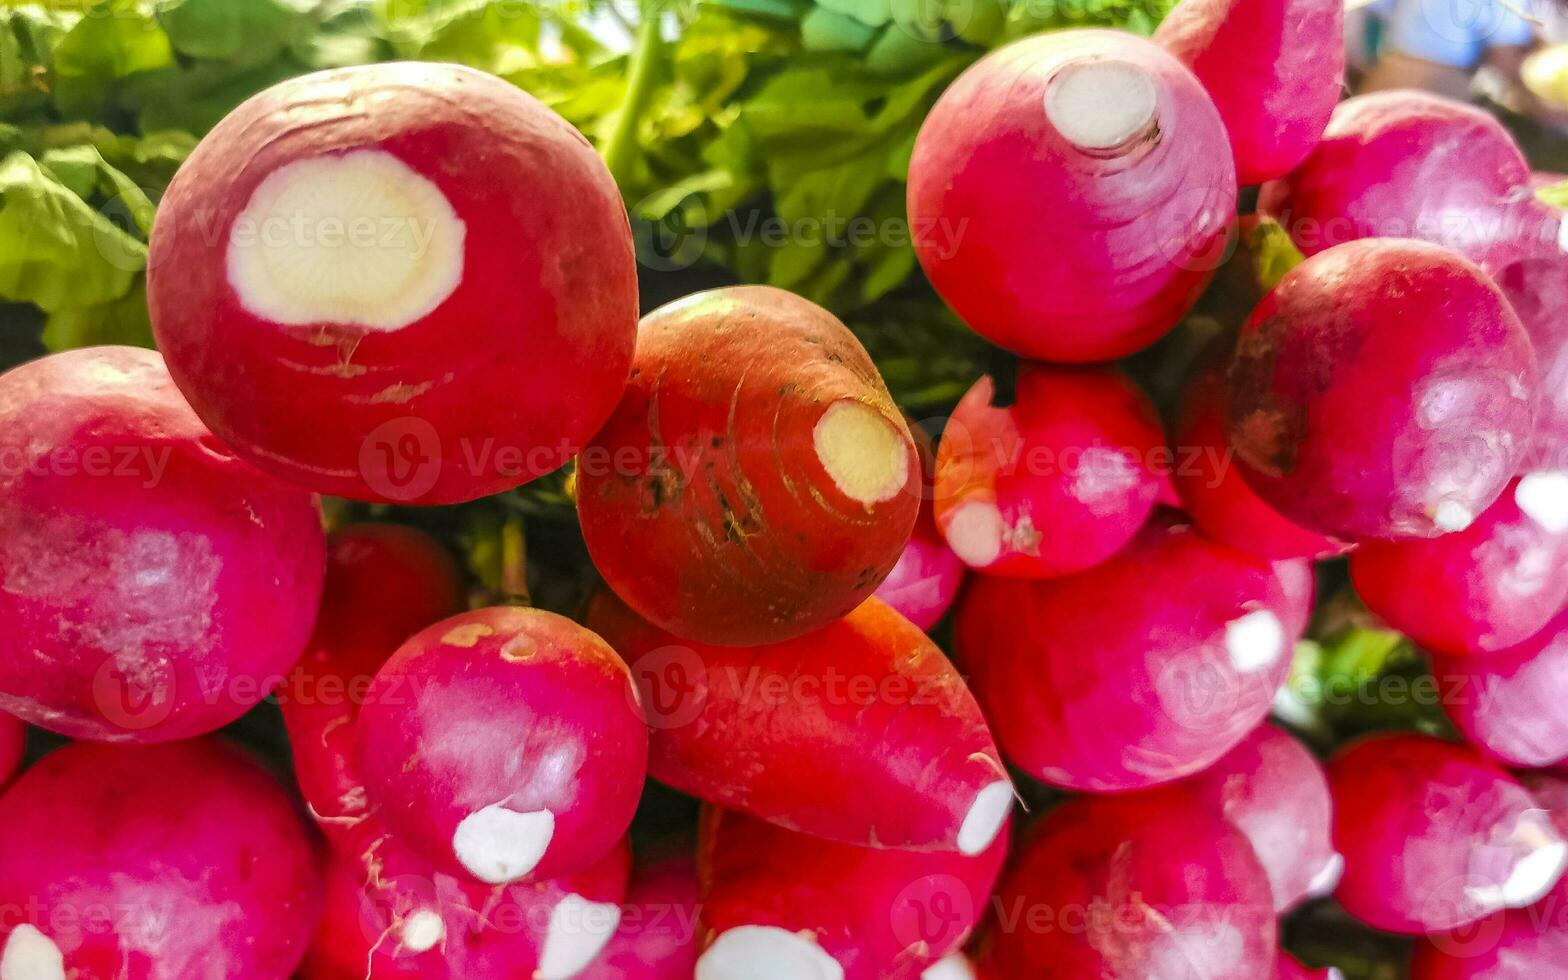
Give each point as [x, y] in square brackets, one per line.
[1383, 389]
[1480, 590]
[1053, 483]
[779, 905]
[154, 585]
[1114, 140]
[200, 859]
[1290, 969]
[1139, 671]
[757, 481]
[365, 305]
[1152, 885]
[860, 732]
[1509, 704]
[926, 578]
[1434, 836]
[504, 743]
[658, 933]
[13, 745]
[1275, 69]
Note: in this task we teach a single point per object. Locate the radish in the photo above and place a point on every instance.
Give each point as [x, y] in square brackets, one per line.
[13, 745]
[778, 905]
[161, 862]
[1537, 289]
[1116, 142]
[1408, 164]
[503, 744]
[1288, 969]
[1275, 69]
[1434, 836]
[861, 732]
[1142, 670]
[1152, 885]
[954, 966]
[405, 282]
[657, 938]
[1510, 704]
[1054, 483]
[757, 481]
[1383, 389]
[155, 587]
[925, 579]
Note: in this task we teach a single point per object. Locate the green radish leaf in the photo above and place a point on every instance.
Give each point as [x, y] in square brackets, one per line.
[824, 30]
[1556, 195]
[244, 31]
[121, 321]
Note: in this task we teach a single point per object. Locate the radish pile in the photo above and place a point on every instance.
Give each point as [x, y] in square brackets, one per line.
[850, 654]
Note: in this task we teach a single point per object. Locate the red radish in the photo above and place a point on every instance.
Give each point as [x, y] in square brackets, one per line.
[1537, 289]
[657, 938]
[1213, 492]
[1054, 483]
[155, 587]
[1510, 704]
[13, 744]
[1289, 969]
[1070, 193]
[1275, 69]
[1383, 389]
[1408, 164]
[1273, 790]
[196, 860]
[504, 743]
[365, 304]
[1434, 836]
[777, 904]
[757, 481]
[1142, 670]
[925, 580]
[1153, 885]
[861, 732]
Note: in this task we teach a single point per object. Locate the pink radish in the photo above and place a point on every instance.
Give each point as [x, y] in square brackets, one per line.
[1434, 836]
[13, 745]
[196, 860]
[1510, 704]
[1275, 69]
[504, 744]
[860, 732]
[1114, 140]
[926, 578]
[657, 938]
[1054, 483]
[1142, 670]
[1153, 885]
[777, 904]
[1383, 389]
[757, 481]
[1290, 969]
[1537, 289]
[155, 587]
[364, 303]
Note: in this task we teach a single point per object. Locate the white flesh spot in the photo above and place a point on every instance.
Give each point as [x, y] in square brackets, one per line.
[31, 955]
[975, 534]
[1543, 497]
[1100, 105]
[954, 967]
[1327, 879]
[1451, 516]
[985, 817]
[867, 457]
[359, 238]
[579, 930]
[1534, 874]
[1254, 641]
[422, 931]
[766, 953]
[498, 845]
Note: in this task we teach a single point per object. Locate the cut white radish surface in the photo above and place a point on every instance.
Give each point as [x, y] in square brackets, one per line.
[422, 931]
[31, 955]
[954, 967]
[865, 455]
[1255, 641]
[359, 239]
[985, 818]
[975, 534]
[1544, 497]
[1532, 876]
[579, 930]
[498, 845]
[766, 953]
[1450, 515]
[1100, 104]
[1327, 880]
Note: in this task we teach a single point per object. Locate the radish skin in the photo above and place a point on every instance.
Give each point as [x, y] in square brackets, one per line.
[1537, 289]
[1275, 69]
[657, 938]
[927, 576]
[13, 745]
[861, 732]
[205, 867]
[504, 744]
[155, 587]
[366, 306]
[1117, 142]
[757, 481]
[1509, 704]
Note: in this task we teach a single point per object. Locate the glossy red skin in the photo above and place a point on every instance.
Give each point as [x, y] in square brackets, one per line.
[703, 501]
[205, 867]
[483, 708]
[1275, 69]
[1537, 289]
[882, 914]
[1509, 704]
[1118, 678]
[1100, 883]
[1377, 381]
[1072, 466]
[1134, 234]
[1214, 493]
[657, 938]
[1288, 968]
[1408, 164]
[1477, 591]
[1419, 820]
[861, 732]
[925, 580]
[500, 383]
[13, 745]
[157, 592]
